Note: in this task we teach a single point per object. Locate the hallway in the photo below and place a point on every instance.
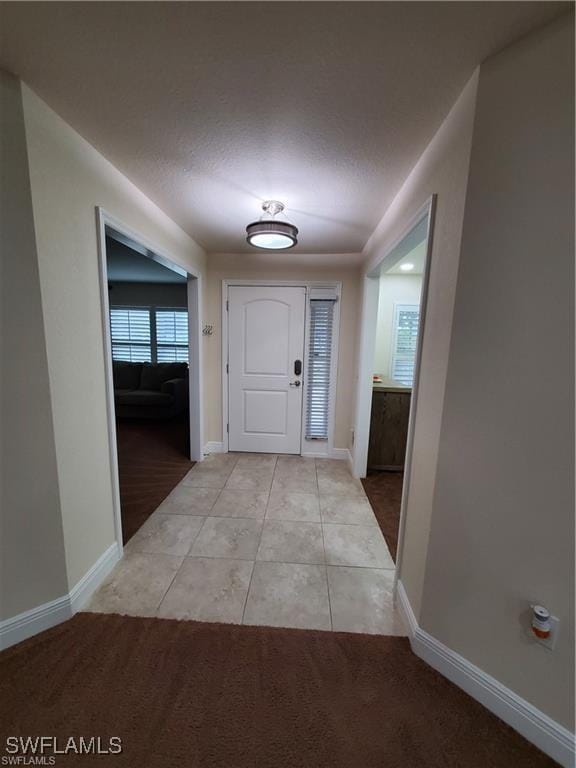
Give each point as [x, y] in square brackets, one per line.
[263, 540]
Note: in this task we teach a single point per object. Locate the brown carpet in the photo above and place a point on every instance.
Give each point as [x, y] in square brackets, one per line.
[225, 696]
[384, 491]
[152, 459]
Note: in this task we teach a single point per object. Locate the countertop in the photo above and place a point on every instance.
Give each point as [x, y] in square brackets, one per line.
[389, 385]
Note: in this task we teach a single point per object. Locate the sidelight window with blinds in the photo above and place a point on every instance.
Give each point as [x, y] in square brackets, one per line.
[318, 383]
[405, 341]
[149, 334]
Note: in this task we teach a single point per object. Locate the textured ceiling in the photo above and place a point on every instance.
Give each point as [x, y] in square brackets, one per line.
[212, 107]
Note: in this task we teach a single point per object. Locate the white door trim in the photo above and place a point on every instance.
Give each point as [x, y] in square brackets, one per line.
[308, 284]
[103, 220]
[366, 361]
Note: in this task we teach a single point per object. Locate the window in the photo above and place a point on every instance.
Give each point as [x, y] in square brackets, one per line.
[172, 335]
[149, 335]
[131, 337]
[319, 367]
[405, 340]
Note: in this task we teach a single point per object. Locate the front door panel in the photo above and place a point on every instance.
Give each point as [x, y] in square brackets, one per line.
[265, 339]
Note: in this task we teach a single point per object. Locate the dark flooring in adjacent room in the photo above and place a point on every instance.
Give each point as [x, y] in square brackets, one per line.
[384, 491]
[181, 693]
[152, 459]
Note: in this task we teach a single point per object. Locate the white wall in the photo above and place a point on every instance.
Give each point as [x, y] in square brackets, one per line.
[33, 565]
[247, 266]
[394, 289]
[69, 178]
[502, 527]
[442, 169]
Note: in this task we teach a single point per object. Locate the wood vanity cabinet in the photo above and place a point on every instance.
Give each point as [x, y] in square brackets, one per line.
[388, 428]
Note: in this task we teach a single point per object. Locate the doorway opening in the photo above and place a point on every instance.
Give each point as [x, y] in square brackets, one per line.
[395, 293]
[151, 316]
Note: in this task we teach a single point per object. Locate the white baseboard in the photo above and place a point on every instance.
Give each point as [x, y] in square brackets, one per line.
[335, 453]
[214, 447]
[48, 615]
[89, 583]
[340, 453]
[36, 620]
[548, 735]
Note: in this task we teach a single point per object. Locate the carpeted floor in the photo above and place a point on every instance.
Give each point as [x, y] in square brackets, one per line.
[226, 696]
[152, 459]
[384, 491]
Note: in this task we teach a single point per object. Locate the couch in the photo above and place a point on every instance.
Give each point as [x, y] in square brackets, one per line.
[150, 390]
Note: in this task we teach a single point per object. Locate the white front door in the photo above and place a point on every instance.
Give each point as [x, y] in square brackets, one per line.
[265, 366]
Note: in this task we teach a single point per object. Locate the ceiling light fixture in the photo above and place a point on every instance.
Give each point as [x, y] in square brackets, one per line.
[407, 267]
[268, 232]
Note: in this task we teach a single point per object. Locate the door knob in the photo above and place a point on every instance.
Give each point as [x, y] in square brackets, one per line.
[294, 383]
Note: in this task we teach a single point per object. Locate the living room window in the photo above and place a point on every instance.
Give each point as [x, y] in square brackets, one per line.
[149, 334]
[131, 334]
[171, 335]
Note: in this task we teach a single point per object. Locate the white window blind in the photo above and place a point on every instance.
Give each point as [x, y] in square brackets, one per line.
[172, 335]
[130, 330]
[149, 335]
[319, 365]
[405, 340]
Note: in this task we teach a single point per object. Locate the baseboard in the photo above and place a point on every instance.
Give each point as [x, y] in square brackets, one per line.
[36, 620]
[340, 453]
[548, 735]
[214, 447]
[50, 614]
[89, 583]
[335, 453]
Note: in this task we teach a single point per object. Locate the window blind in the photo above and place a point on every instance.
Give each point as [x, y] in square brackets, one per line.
[319, 364]
[130, 331]
[406, 323]
[172, 335]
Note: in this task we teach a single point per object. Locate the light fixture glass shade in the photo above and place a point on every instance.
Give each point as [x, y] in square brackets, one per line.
[272, 235]
[407, 267]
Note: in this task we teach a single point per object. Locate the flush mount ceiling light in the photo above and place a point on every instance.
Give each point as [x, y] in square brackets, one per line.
[269, 233]
[407, 267]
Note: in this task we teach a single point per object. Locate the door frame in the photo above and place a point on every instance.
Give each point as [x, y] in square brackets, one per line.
[307, 284]
[366, 361]
[105, 221]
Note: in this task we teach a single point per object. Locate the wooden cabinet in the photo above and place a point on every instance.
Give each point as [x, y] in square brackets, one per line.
[388, 429]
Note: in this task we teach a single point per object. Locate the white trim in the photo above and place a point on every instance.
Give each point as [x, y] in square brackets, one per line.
[415, 389]
[548, 735]
[101, 220]
[47, 615]
[214, 447]
[36, 620]
[89, 583]
[195, 364]
[334, 285]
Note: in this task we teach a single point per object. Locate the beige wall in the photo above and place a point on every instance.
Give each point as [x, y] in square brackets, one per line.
[69, 178]
[33, 566]
[247, 266]
[394, 289]
[502, 530]
[442, 169]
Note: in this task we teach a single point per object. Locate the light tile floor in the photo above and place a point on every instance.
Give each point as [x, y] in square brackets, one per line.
[260, 539]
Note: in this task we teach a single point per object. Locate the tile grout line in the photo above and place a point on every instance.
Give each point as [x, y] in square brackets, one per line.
[324, 549]
[258, 547]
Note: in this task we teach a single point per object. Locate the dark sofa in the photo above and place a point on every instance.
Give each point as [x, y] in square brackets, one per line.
[150, 390]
